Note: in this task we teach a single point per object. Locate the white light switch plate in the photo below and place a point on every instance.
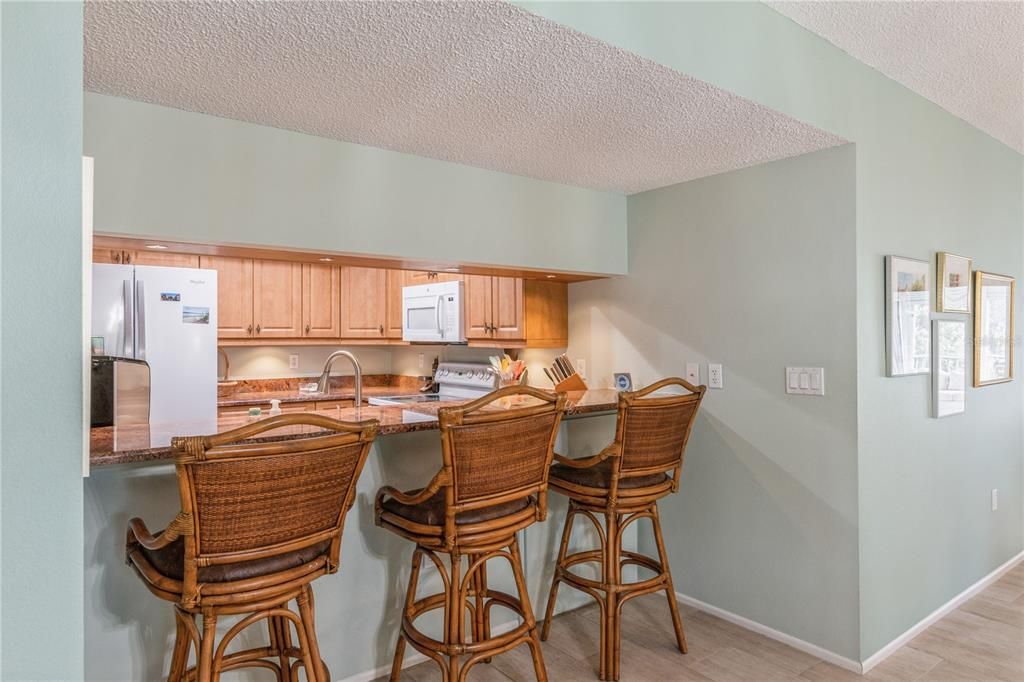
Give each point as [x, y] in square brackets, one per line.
[293, 361]
[693, 373]
[805, 380]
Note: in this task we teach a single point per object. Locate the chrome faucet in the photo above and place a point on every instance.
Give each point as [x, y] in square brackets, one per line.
[321, 386]
[227, 363]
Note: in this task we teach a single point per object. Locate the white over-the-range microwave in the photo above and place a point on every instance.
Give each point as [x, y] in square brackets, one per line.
[432, 313]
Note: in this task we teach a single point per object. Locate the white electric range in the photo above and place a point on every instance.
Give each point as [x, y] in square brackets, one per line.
[454, 380]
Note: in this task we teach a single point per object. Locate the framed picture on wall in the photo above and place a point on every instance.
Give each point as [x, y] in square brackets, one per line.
[949, 367]
[953, 291]
[993, 328]
[908, 305]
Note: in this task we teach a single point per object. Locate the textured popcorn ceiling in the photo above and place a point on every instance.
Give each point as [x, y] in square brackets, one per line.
[967, 57]
[484, 84]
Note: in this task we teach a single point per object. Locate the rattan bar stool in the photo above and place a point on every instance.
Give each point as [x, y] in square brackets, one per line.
[624, 483]
[259, 522]
[496, 457]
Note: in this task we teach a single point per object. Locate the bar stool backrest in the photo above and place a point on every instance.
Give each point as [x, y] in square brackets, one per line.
[497, 451]
[652, 430]
[250, 500]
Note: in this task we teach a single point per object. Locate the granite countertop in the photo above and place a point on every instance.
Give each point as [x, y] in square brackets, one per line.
[112, 445]
[259, 392]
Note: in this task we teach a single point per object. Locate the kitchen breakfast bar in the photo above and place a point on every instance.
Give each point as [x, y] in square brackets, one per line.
[130, 634]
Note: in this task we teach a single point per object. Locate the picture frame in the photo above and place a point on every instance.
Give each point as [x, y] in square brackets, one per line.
[949, 367]
[994, 300]
[908, 305]
[953, 283]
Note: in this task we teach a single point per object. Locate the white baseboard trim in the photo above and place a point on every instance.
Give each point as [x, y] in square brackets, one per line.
[413, 657]
[772, 633]
[938, 613]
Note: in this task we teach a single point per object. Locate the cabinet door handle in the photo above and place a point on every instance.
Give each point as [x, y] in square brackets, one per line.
[307, 330]
[257, 329]
[382, 329]
[116, 256]
[127, 257]
[249, 330]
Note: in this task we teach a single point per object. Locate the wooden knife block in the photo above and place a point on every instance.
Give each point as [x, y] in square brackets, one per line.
[573, 383]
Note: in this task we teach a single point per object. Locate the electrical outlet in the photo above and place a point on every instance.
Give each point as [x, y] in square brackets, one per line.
[581, 367]
[715, 376]
[693, 373]
[419, 359]
[293, 361]
[995, 499]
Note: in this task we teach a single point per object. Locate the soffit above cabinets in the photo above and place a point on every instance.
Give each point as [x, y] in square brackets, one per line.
[967, 57]
[485, 84]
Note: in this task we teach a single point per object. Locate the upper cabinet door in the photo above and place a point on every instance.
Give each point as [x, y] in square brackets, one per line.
[234, 295]
[363, 303]
[413, 277]
[393, 326]
[507, 315]
[478, 306]
[164, 259]
[104, 255]
[277, 299]
[321, 301]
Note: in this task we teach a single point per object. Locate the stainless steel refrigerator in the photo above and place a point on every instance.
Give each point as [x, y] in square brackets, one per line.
[167, 317]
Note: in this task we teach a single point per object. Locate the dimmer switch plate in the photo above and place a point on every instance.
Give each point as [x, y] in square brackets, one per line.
[805, 380]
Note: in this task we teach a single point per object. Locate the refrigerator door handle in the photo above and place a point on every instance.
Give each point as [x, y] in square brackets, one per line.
[127, 324]
[140, 313]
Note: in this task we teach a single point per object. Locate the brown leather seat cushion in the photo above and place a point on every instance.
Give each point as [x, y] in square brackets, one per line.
[431, 512]
[170, 561]
[600, 476]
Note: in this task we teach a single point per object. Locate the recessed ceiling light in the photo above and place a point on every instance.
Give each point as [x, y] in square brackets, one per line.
[156, 246]
[325, 259]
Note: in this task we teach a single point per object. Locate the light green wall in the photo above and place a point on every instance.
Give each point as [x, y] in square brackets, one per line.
[40, 336]
[751, 269]
[167, 173]
[926, 181]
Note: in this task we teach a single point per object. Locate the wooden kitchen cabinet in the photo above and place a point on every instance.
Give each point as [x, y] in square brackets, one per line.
[277, 299]
[144, 257]
[494, 308]
[413, 277]
[515, 311]
[164, 259]
[477, 306]
[364, 303]
[108, 256]
[507, 321]
[234, 295]
[321, 301]
[393, 325]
